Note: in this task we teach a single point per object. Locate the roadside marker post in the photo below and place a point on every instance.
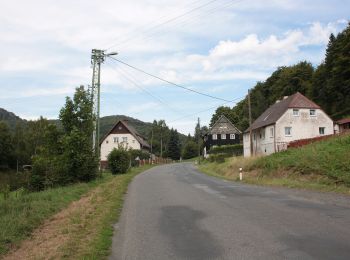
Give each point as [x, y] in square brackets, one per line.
[240, 174]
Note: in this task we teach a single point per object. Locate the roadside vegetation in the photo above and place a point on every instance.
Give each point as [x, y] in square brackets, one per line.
[324, 165]
[75, 222]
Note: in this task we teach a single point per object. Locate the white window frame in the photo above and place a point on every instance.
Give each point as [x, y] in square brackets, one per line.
[324, 130]
[312, 115]
[271, 132]
[215, 137]
[116, 139]
[232, 136]
[223, 136]
[295, 110]
[290, 131]
[125, 139]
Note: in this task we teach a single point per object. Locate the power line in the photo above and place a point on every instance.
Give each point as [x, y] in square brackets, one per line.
[171, 83]
[133, 81]
[202, 111]
[168, 21]
[185, 22]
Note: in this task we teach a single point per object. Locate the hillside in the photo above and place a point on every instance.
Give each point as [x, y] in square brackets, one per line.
[322, 165]
[10, 118]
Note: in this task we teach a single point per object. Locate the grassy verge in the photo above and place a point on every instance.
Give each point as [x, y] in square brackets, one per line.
[323, 166]
[19, 216]
[80, 229]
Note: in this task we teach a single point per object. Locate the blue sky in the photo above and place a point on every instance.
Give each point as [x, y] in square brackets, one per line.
[221, 49]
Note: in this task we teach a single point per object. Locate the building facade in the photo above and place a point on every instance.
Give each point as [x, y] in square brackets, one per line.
[121, 135]
[293, 118]
[223, 132]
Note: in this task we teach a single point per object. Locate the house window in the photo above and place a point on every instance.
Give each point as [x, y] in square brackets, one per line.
[295, 112]
[232, 136]
[125, 139]
[223, 136]
[321, 130]
[116, 139]
[133, 141]
[288, 131]
[271, 132]
[215, 136]
[312, 112]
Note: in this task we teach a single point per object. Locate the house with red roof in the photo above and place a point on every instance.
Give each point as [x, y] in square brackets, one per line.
[343, 125]
[121, 135]
[293, 118]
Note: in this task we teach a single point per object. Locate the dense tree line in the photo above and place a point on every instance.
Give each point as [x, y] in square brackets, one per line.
[328, 85]
[59, 155]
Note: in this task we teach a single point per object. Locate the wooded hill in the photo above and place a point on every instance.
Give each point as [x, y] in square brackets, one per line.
[328, 85]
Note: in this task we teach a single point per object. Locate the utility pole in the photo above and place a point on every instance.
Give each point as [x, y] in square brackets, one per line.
[97, 58]
[152, 141]
[250, 125]
[198, 140]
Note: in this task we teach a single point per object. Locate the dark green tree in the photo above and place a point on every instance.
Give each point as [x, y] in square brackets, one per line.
[190, 150]
[6, 147]
[174, 145]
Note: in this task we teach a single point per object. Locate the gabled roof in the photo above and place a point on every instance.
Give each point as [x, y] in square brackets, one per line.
[274, 112]
[343, 121]
[132, 130]
[223, 120]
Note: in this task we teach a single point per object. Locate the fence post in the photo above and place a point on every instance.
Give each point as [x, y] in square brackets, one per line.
[240, 174]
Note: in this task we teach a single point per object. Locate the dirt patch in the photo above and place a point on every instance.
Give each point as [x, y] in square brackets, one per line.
[49, 239]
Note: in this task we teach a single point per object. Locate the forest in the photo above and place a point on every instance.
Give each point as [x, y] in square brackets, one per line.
[328, 85]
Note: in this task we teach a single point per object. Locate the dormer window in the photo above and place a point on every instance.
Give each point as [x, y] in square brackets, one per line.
[312, 112]
[295, 112]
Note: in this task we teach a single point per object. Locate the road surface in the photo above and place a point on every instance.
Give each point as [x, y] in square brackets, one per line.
[175, 212]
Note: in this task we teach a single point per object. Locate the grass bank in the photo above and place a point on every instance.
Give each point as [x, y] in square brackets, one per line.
[323, 166]
[72, 222]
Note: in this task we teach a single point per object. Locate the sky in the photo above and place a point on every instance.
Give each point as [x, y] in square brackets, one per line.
[218, 47]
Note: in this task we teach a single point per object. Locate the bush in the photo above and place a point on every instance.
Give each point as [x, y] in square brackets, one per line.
[140, 154]
[119, 161]
[218, 158]
[190, 150]
[231, 150]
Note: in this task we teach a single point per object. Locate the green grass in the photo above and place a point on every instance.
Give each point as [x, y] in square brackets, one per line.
[329, 158]
[19, 216]
[322, 166]
[85, 228]
[110, 209]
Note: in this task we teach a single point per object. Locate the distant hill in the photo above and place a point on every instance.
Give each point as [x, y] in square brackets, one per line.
[106, 123]
[10, 118]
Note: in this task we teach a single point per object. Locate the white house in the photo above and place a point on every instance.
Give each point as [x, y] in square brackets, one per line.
[124, 135]
[292, 118]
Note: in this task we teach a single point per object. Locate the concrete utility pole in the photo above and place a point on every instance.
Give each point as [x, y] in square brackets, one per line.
[250, 125]
[97, 58]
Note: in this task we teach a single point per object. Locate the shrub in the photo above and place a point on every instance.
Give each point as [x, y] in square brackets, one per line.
[218, 158]
[140, 154]
[190, 150]
[119, 161]
[231, 150]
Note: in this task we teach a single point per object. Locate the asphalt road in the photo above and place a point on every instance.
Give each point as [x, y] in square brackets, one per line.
[175, 212]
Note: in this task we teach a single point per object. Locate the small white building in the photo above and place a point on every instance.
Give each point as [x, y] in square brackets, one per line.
[123, 135]
[293, 118]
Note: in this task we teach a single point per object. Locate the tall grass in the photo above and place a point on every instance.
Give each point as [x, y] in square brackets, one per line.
[330, 158]
[20, 215]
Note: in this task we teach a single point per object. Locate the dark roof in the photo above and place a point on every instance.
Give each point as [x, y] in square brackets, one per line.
[274, 112]
[132, 130]
[228, 128]
[343, 121]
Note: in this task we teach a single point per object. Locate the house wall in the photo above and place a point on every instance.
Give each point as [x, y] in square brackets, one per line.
[108, 144]
[303, 126]
[263, 141]
[210, 142]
